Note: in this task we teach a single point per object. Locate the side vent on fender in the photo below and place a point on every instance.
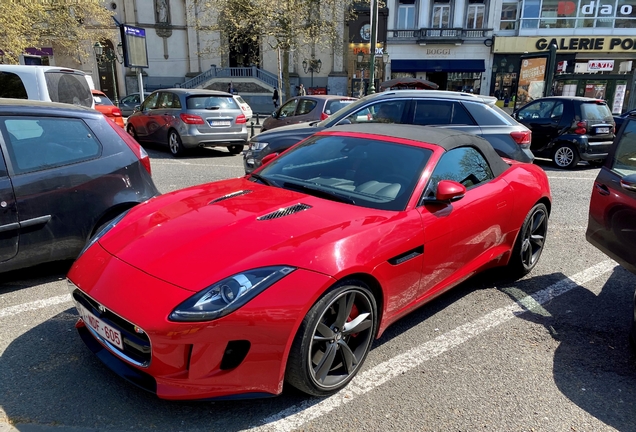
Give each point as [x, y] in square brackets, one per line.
[230, 195]
[403, 257]
[285, 212]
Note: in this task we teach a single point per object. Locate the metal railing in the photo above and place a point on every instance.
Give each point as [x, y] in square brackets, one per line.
[231, 72]
[436, 34]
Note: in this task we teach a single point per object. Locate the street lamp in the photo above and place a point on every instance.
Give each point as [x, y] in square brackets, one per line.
[360, 58]
[105, 54]
[313, 65]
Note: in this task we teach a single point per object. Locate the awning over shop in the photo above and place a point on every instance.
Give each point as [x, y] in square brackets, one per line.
[437, 65]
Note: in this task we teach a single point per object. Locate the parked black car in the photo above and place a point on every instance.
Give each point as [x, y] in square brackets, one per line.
[613, 205]
[620, 119]
[466, 112]
[65, 171]
[568, 129]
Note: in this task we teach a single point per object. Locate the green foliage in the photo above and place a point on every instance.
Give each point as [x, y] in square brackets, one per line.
[63, 24]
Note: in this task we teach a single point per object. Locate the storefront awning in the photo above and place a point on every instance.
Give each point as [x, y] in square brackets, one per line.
[435, 65]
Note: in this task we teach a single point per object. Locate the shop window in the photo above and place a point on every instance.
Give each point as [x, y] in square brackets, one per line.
[475, 14]
[406, 15]
[441, 14]
[625, 14]
[530, 14]
[509, 13]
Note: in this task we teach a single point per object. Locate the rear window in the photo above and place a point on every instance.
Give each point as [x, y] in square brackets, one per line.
[335, 105]
[101, 100]
[67, 87]
[595, 111]
[211, 102]
[488, 115]
[239, 99]
[11, 86]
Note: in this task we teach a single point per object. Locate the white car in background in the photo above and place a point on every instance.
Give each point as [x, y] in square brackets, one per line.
[247, 110]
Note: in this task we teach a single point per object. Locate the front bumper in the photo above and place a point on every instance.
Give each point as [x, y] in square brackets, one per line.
[194, 360]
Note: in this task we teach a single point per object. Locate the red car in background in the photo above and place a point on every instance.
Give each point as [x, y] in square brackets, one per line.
[231, 288]
[106, 107]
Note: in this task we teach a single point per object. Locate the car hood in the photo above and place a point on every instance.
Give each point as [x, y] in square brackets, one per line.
[195, 237]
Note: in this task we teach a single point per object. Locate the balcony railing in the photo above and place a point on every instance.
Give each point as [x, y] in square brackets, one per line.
[438, 35]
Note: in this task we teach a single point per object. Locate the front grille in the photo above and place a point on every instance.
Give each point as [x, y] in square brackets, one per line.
[136, 345]
[231, 195]
[285, 212]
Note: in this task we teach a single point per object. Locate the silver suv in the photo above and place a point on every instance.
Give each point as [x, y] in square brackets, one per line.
[185, 119]
[466, 112]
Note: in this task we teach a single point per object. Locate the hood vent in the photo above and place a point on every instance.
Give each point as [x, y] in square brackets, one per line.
[285, 212]
[231, 195]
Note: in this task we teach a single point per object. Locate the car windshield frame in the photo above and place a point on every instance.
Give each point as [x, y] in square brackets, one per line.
[359, 170]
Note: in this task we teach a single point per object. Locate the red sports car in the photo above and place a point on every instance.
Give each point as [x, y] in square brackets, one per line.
[228, 289]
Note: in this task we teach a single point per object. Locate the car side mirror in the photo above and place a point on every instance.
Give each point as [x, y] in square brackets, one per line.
[449, 191]
[270, 157]
[275, 114]
[344, 121]
[515, 116]
[629, 182]
[137, 108]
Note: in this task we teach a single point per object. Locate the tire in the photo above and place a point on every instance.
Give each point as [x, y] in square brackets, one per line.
[325, 354]
[597, 163]
[175, 144]
[530, 241]
[131, 131]
[565, 156]
[236, 148]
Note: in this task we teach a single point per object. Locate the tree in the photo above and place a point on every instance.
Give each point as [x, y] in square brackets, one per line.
[61, 24]
[284, 25]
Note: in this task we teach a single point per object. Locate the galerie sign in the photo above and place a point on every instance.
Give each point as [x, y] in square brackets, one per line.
[570, 43]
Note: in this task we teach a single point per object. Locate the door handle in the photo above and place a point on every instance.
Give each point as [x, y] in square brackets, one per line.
[602, 189]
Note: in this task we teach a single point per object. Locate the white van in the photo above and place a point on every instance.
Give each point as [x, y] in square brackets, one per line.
[45, 83]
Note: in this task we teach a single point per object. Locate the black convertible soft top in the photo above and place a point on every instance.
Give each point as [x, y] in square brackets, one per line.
[446, 138]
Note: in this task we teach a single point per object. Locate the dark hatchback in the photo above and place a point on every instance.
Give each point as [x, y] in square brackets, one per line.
[65, 172]
[466, 112]
[611, 226]
[568, 129]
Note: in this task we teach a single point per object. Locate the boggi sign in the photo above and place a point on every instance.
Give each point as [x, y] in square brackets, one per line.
[587, 44]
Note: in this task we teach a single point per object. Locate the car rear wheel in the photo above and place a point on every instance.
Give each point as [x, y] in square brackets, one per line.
[131, 131]
[333, 340]
[236, 148]
[176, 146]
[565, 156]
[530, 241]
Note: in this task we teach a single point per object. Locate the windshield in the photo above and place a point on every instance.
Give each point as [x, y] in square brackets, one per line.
[360, 171]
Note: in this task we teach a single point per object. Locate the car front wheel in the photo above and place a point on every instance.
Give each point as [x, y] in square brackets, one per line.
[174, 141]
[565, 156]
[333, 340]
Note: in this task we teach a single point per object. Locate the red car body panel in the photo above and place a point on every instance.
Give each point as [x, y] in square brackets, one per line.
[185, 229]
[112, 112]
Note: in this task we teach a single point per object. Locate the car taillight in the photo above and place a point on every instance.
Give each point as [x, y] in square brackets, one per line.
[116, 112]
[581, 128]
[521, 137]
[191, 119]
[241, 119]
[324, 116]
[133, 145]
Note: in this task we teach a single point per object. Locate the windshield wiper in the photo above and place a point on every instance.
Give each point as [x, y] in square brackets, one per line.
[262, 179]
[319, 192]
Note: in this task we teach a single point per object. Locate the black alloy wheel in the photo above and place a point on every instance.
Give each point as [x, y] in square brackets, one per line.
[333, 340]
[530, 241]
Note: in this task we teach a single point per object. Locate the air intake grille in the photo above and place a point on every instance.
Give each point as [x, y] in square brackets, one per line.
[231, 195]
[285, 212]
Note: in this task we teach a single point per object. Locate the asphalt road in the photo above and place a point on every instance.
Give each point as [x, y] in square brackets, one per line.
[484, 356]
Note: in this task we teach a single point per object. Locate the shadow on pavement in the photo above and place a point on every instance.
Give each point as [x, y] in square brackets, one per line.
[37, 275]
[593, 365]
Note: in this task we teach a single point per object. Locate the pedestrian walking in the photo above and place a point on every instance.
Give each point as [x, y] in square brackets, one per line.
[275, 98]
[302, 91]
[230, 88]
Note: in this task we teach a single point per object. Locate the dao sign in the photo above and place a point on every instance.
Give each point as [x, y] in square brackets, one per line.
[604, 9]
[600, 65]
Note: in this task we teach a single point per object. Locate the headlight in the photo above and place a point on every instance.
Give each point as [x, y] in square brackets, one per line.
[229, 294]
[103, 231]
[257, 146]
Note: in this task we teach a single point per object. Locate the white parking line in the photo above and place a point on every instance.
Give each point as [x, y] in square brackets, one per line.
[571, 178]
[296, 416]
[165, 162]
[34, 305]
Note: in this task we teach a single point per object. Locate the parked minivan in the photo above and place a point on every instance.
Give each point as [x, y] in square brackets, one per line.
[46, 83]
